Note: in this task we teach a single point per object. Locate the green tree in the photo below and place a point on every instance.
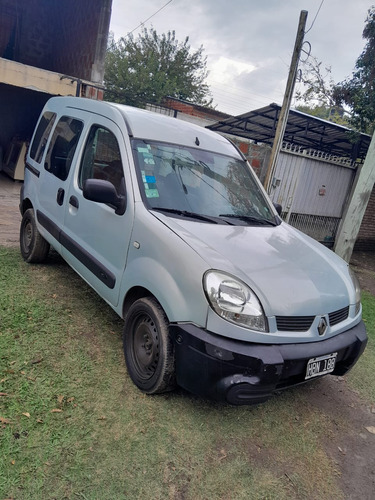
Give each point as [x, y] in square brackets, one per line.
[351, 101]
[333, 114]
[318, 83]
[358, 92]
[319, 93]
[150, 67]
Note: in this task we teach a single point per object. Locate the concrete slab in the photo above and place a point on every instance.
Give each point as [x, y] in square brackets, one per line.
[10, 217]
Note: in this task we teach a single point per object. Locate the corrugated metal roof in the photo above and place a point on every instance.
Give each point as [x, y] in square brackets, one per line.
[302, 129]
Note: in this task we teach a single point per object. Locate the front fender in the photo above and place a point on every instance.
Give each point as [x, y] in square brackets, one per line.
[181, 295]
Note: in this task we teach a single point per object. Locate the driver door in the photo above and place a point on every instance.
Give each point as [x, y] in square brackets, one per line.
[96, 239]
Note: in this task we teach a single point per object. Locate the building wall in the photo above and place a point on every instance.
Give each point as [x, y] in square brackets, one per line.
[26, 37]
[79, 38]
[257, 155]
[189, 109]
[366, 235]
[67, 37]
[48, 47]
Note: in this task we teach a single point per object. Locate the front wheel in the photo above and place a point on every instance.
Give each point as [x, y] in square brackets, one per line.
[34, 248]
[148, 349]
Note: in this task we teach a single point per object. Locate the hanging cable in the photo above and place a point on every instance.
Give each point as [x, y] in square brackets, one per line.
[144, 22]
[316, 15]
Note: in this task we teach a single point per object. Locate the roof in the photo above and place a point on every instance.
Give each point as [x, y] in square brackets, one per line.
[185, 106]
[302, 130]
[147, 125]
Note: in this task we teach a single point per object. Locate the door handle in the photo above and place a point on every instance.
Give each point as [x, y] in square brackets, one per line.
[74, 202]
[60, 196]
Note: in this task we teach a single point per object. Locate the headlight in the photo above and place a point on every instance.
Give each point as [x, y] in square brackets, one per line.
[234, 301]
[357, 289]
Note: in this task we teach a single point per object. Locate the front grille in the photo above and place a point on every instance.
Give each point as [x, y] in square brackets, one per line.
[338, 316]
[303, 323]
[294, 323]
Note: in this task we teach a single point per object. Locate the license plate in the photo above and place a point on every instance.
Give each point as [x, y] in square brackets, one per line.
[321, 365]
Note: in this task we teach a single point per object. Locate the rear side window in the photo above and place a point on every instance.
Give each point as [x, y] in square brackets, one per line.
[41, 136]
[62, 146]
[101, 158]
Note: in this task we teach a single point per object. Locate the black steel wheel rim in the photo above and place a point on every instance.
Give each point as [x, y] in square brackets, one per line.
[27, 235]
[145, 348]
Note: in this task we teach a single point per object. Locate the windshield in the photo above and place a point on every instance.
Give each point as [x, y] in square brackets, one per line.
[187, 181]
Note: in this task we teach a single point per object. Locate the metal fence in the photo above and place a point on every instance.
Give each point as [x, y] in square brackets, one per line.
[312, 187]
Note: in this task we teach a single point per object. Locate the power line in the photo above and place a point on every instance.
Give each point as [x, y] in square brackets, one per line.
[237, 91]
[231, 101]
[240, 100]
[144, 22]
[316, 15]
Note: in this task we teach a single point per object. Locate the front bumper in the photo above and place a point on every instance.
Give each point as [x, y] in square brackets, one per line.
[239, 372]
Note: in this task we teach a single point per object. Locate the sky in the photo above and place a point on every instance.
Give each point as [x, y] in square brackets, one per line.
[249, 43]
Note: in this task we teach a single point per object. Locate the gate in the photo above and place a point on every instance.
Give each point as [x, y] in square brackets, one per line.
[312, 187]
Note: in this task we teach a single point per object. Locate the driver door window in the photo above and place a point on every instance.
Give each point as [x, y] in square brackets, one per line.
[101, 158]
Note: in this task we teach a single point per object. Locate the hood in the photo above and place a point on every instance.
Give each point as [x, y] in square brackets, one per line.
[292, 274]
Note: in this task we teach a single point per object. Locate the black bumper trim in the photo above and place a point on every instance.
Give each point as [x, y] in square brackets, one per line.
[238, 372]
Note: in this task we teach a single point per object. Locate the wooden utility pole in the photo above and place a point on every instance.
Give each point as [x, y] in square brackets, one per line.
[283, 118]
[356, 207]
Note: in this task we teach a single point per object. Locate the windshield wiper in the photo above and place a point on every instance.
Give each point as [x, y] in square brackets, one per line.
[250, 218]
[192, 215]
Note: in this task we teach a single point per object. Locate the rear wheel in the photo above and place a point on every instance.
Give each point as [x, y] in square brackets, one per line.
[34, 248]
[148, 349]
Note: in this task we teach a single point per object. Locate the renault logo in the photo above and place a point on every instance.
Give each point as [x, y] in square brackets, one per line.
[322, 327]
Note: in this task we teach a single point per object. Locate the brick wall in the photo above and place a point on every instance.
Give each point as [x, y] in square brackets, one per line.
[66, 36]
[8, 26]
[193, 109]
[366, 235]
[26, 34]
[76, 33]
[257, 155]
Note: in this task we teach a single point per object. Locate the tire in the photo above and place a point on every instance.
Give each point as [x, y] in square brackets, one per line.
[34, 248]
[148, 349]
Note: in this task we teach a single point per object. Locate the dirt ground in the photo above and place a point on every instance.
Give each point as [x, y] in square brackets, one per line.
[351, 447]
[363, 264]
[10, 216]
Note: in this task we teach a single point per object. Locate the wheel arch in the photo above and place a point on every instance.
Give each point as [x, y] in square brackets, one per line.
[135, 293]
[179, 293]
[25, 205]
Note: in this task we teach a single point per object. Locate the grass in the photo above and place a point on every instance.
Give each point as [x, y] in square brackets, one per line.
[361, 378]
[74, 426]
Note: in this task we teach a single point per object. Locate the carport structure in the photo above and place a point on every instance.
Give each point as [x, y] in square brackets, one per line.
[315, 170]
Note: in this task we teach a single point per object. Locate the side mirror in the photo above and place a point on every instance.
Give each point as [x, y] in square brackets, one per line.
[278, 207]
[103, 191]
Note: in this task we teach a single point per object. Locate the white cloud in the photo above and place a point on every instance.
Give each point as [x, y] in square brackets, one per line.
[225, 70]
[249, 43]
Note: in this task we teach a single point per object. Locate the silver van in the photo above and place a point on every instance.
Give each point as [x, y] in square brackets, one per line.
[168, 223]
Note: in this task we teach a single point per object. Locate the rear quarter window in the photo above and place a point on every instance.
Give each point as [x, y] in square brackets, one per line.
[41, 136]
[62, 146]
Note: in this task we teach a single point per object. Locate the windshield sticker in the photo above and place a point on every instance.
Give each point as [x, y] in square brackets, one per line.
[152, 193]
[148, 158]
[143, 150]
[150, 178]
